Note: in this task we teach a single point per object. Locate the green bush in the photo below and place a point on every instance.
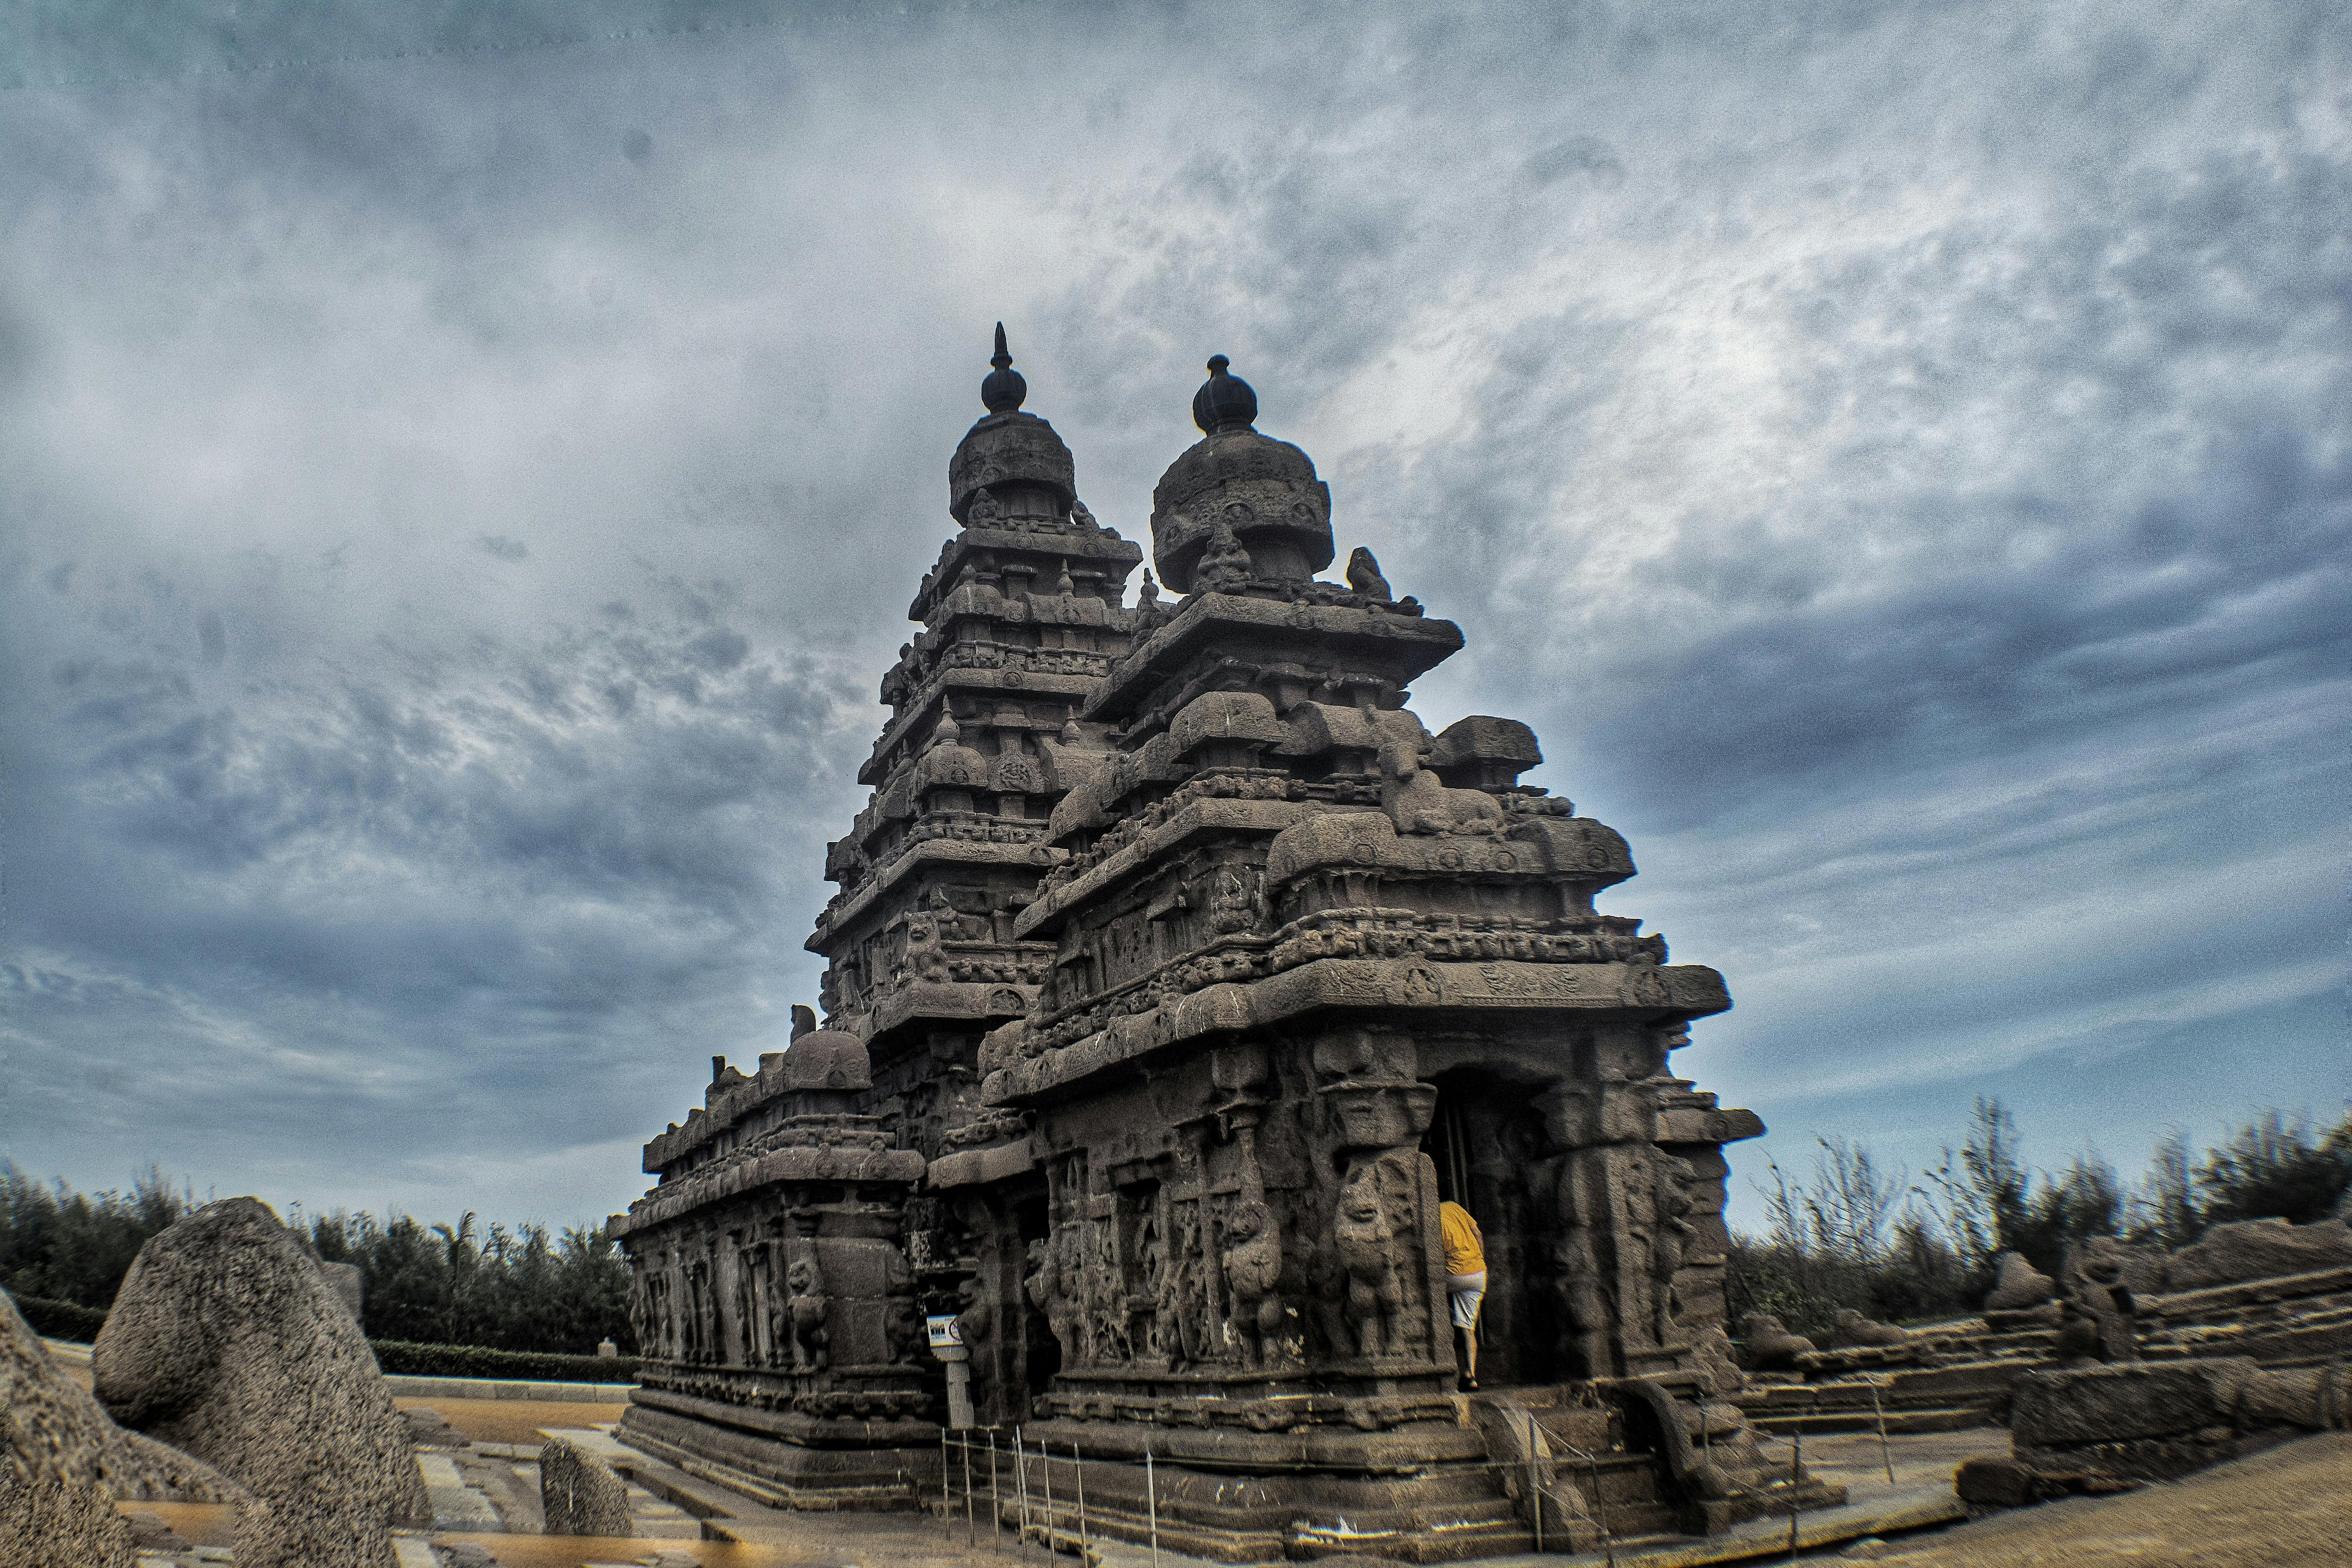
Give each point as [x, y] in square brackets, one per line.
[401, 1358]
[60, 1320]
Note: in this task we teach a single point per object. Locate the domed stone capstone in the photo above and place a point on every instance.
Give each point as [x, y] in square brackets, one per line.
[827, 1059]
[1236, 484]
[1011, 463]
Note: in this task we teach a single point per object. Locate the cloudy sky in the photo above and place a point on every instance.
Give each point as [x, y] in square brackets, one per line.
[462, 471]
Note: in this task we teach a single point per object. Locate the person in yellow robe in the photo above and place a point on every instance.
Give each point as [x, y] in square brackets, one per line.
[1465, 1279]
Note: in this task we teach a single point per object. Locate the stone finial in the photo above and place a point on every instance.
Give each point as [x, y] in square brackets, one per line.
[1010, 465]
[1238, 501]
[1003, 389]
[1225, 402]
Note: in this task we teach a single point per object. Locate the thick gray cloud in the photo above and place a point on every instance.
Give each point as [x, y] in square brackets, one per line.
[463, 470]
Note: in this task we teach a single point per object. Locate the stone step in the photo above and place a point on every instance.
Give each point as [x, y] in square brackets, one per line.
[1950, 1418]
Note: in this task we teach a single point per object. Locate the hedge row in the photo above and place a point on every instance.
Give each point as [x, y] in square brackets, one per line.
[60, 1320]
[64, 1321]
[401, 1358]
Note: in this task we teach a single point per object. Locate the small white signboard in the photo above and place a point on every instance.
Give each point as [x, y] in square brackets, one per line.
[944, 1329]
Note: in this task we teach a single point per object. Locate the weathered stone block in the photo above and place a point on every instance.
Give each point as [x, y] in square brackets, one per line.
[579, 1494]
[2116, 1403]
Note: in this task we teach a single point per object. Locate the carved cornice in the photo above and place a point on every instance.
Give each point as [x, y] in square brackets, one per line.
[1647, 991]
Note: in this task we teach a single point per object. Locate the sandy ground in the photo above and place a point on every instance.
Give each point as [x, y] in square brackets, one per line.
[198, 1524]
[2289, 1508]
[844, 1541]
[514, 1420]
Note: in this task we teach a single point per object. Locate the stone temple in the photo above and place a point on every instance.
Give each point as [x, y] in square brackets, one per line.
[1178, 972]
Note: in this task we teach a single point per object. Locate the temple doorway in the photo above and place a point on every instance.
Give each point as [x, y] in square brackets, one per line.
[1487, 1142]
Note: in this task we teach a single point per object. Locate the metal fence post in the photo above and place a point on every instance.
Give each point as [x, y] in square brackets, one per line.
[1046, 1455]
[947, 1501]
[1151, 1502]
[1535, 1496]
[1020, 1487]
[1796, 1483]
[1080, 1465]
[995, 1509]
[1884, 1456]
[970, 1536]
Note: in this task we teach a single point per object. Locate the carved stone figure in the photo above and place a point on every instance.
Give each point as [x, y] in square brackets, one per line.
[2018, 1286]
[2095, 1316]
[1364, 574]
[1671, 1237]
[226, 1343]
[1252, 1266]
[805, 1304]
[1584, 1309]
[1234, 903]
[1366, 1251]
[1225, 567]
[1417, 801]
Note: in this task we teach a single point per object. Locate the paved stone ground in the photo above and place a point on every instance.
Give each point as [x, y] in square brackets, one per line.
[518, 1421]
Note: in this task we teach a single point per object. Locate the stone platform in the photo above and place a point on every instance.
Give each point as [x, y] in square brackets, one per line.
[1959, 1375]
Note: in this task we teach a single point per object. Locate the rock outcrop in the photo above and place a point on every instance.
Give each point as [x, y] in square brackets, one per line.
[227, 1341]
[63, 1463]
[579, 1494]
[53, 1521]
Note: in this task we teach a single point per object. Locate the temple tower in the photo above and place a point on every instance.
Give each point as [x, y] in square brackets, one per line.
[1191, 973]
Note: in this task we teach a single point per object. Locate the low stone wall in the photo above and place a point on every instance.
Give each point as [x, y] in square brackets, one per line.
[2154, 1421]
[1956, 1375]
[499, 1388]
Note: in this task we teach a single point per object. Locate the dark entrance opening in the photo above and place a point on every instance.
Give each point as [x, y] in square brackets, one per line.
[1041, 1352]
[1487, 1142]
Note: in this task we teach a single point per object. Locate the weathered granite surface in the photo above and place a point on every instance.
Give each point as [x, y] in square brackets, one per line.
[52, 1521]
[579, 1494]
[227, 1342]
[61, 1431]
[2157, 1420]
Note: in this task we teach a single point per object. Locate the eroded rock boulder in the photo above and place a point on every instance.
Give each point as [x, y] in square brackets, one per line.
[56, 1521]
[227, 1342]
[2018, 1286]
[2259, 1249]
[1852, 1329]
[579, 1494]
[1770, 1346]
[63, 1463]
